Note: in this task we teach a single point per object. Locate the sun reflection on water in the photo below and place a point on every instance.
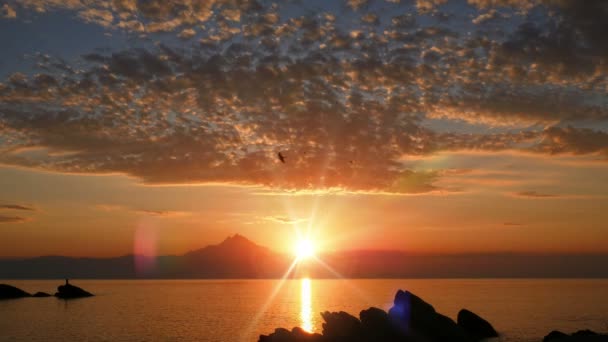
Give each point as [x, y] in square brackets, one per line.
[306, 305]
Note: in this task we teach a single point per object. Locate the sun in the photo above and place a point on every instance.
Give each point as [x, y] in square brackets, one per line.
[304, 249]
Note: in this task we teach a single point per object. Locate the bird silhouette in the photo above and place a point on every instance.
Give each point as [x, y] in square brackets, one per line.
[281, 157]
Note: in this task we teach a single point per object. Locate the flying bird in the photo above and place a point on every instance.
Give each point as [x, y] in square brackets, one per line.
[281, 157]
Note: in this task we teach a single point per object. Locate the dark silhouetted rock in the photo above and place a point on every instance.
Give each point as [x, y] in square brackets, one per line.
[10, 292]
[301, 335]
[585, 332]
[411, 319]
[418, 319]
[341, 326]
[279, 335]
[69, 291]
[41, 294]
[476, 326]
[554, 335]
[579, 336]
[295, 335]
[377, 326]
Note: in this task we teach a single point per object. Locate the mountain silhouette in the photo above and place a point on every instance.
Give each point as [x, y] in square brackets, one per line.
[239, 257]
[235, 257]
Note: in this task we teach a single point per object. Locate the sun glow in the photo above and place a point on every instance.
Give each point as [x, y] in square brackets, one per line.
[304, 249]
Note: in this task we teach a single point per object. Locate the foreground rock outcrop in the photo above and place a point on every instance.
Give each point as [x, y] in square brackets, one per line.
[10, 292]
[69, 291]
[410, 319]
[476, 326]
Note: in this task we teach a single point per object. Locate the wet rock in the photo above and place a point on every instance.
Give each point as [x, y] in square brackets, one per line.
[41, 294]
[10, 292]
[69, 291]
[476, 326]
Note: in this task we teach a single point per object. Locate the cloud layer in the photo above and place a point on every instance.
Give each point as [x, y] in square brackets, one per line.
[344, 92]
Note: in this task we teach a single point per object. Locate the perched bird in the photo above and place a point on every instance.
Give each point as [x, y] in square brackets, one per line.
[281, 157]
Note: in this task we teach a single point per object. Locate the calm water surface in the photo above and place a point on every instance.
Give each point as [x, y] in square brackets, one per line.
[240, 310]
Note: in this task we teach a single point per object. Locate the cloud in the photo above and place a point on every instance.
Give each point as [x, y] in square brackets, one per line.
[519, 4]
[148, 212]
[343, 97]
[574, 140]
[511, 105]
[110, 207]
[285, 220]
[161, 213]
[97, 16]
[16, 207]
[428, 5]
[356, 4]
[12, 219]
[534, 194]
[489, 15]
[8, 12]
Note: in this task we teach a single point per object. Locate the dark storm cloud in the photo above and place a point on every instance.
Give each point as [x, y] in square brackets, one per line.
[342, 95]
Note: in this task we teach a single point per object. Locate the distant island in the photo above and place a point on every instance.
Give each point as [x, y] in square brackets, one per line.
[65, 291]
[238, 257]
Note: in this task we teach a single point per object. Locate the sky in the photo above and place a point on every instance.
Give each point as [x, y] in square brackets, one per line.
[429, 126]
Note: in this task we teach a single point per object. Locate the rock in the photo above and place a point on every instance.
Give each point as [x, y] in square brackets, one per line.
[585, 332]
[411, 319]
[301, 335]
[41, 294]
[579, 336]
[341, 325]
[279, 335]
[476, 326]
[418, 319]
[296, 334]
[10, 292]
[68, 291]
[376, 325]
[554, 335]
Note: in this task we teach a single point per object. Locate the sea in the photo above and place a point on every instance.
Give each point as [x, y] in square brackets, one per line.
[240, 310]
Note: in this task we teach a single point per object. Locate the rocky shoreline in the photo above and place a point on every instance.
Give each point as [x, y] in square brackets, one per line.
[66, 291]
[411, 319]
